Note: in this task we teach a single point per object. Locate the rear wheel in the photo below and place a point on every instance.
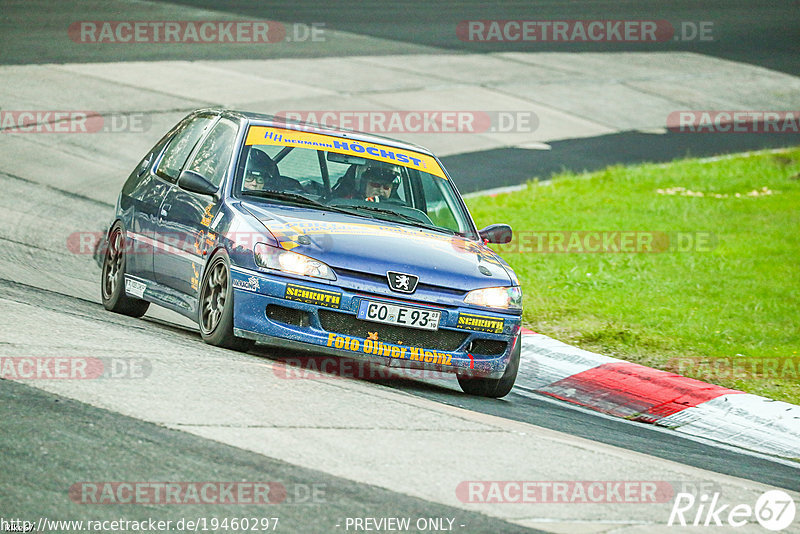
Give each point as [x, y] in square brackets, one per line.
[112, 281]
[215, 310]
[494, 387]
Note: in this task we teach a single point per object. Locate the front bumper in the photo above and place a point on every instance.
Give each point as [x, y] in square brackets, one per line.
[321, 318]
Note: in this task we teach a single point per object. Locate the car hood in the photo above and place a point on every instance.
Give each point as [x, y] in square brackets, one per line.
[366, 245]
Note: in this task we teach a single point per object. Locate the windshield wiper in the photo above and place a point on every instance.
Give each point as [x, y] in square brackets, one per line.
[282, 195]
[350, 210]
[292, 197]
[413, 221]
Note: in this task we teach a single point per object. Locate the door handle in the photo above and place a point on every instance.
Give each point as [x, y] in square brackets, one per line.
[165, 209]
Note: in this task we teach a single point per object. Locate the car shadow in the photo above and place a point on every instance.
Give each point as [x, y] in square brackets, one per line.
[302, 365]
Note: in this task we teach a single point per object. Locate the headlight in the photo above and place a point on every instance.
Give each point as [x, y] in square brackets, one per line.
[291, 262]
[507, 298]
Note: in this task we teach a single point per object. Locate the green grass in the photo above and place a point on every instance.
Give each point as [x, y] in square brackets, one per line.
[735, 301]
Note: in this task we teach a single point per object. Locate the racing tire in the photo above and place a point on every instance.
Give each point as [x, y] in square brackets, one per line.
[112, 278]
[494, 387]
[215, 306]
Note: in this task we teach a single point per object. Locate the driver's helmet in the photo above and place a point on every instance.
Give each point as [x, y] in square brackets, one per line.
[260, 169]
[380, 179]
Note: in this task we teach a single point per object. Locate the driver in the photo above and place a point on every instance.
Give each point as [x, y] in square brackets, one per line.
[379, 182]
[260, 169]
[253, 181]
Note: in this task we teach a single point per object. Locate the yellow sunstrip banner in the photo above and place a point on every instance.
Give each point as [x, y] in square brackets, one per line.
[266, 135]
[481, 323]
[309, 295]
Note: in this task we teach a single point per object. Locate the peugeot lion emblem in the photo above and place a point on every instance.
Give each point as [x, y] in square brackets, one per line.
[402, 282]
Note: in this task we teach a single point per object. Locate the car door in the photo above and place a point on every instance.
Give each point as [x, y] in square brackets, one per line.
[189, 215]
[166, 173]
[139, 202]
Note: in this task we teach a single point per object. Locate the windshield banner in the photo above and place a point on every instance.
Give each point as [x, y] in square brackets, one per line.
[264, 135]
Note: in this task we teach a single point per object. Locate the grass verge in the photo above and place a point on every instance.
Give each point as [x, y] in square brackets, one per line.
[697, 272]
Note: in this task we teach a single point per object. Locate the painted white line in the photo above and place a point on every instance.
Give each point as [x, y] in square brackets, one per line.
[534, 145]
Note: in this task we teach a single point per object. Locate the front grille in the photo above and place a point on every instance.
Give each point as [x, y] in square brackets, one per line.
[349, 325]
[381, 280]
[487, 347]
[282, 314]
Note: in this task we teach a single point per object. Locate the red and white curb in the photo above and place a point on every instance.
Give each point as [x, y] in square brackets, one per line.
[639, 393]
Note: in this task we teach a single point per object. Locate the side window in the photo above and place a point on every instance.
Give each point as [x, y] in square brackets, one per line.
[438, 207]
[214, 155]
[180, 147]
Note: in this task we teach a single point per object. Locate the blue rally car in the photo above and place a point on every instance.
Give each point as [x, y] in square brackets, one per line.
[311, 238]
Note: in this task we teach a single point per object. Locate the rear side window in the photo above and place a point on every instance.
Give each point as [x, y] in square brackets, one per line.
[180, 147]
[214, 155]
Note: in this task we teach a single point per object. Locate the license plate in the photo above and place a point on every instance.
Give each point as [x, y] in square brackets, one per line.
[381, 312]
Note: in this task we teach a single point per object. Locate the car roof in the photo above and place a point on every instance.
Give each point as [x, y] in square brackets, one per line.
[262, 119]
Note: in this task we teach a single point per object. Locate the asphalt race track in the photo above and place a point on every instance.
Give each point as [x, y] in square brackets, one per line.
[336, 449]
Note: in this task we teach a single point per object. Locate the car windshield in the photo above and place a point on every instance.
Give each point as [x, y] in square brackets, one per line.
[365, 179]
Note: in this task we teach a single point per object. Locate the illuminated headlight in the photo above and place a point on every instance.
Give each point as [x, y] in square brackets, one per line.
[291, 262]
[507, 298]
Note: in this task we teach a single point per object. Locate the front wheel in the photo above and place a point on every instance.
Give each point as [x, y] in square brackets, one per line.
[215, 309]
[112, 280]
[494, 387]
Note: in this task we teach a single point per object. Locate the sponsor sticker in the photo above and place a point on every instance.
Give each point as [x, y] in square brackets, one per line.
[264, 135]
[309, 295]
[251, 284]
[134, 288]
[480, 323]
[398, 352]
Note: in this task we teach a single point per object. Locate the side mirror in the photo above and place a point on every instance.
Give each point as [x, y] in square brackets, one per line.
[496, 233]
[196, 183]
